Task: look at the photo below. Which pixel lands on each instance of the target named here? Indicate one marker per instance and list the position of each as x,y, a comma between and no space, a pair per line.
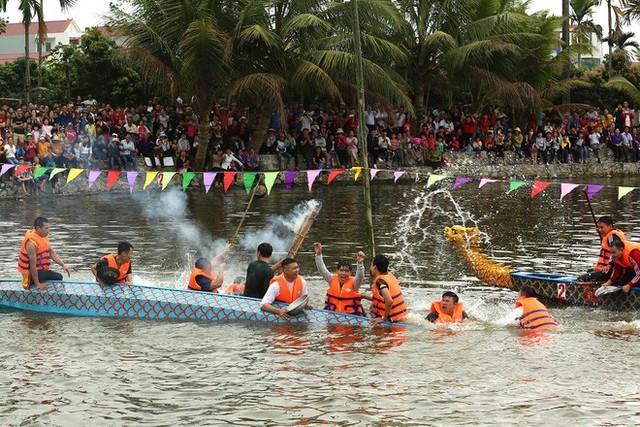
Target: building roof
53,27
10,57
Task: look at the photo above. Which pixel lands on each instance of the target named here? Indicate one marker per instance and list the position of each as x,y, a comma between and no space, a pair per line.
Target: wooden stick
253,193
302,232
593,215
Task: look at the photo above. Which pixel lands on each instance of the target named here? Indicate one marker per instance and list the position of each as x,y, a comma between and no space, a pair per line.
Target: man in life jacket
602,270
286,287
388,302
120,261
530,313
36,255
202,277
237,287
448,310
626,268
343,294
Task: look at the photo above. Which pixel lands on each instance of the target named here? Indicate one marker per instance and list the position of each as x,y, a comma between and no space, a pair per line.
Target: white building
591,59
12,40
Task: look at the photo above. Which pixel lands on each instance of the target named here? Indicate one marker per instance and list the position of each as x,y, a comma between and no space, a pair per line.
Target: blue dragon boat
148,302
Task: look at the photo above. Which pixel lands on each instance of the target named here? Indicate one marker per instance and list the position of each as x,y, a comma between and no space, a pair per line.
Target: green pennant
40,171
249,178
514,185
269,180
187,177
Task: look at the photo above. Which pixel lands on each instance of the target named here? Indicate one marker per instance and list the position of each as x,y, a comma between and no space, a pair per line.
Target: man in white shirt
285,288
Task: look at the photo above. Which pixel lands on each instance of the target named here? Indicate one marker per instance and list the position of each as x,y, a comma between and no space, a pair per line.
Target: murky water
60,370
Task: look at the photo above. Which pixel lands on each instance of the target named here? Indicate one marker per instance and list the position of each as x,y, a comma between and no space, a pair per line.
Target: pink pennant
93,175
397,175
460,181
484,181
6,167
333,174
208,178
566,189
289,177
131,179
373,173
311,177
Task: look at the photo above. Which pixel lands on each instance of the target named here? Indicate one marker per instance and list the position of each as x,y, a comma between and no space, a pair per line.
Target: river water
67,371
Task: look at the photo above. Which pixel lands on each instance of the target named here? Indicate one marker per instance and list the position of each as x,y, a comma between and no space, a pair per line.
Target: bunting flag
131,179
373,173
484,181
73,174
434,178
566,189
6,167
187,177
514,185
166,178
270,179
311,176
593,189
41,170
93,175
460,181
333,174
248,178
623,191
22,168
289,177
112,177
208,178
397,175
356,170
538,187
228,179
55,172
149,179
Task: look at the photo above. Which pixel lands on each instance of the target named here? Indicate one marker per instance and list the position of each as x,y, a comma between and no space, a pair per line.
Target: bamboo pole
302,232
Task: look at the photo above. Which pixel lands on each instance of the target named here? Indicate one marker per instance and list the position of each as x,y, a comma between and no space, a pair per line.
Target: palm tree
624,42
581,13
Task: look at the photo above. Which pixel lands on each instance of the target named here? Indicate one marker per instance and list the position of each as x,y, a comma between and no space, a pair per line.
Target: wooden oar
253,193
593,215
302,232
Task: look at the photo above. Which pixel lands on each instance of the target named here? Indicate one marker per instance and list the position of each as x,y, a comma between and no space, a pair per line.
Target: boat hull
92,299
564,288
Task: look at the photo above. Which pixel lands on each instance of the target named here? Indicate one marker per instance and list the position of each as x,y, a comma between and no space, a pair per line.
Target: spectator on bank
127,150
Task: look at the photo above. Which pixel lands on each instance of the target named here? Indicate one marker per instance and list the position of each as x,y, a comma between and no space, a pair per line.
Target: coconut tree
581,14
624,42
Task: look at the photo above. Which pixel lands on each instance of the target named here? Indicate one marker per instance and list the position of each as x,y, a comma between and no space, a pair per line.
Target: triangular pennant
73,174
538,187
93,175
131,179
593,189
112,177
373,173
40,170
484,181
208,178
248,178
166,178
269,180
333,174
149,179
356,170
311,176
187,177
514,185
6,167
397,175
21,168
460,181
228,180
289,177
623,191
566,189
55,172
434,178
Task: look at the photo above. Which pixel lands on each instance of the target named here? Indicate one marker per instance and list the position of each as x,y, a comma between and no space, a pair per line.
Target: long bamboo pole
362,130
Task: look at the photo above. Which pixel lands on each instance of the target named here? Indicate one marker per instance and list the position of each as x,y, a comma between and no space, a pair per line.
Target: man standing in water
388,302
343,294
286,287
448,310
530,313
36,255
260,273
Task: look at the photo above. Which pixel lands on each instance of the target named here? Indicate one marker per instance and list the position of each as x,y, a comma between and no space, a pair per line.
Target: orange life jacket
233,289
193,285
285,294
343,299
398,308
43,252
624,261
605,250
444,317
535,315
123,269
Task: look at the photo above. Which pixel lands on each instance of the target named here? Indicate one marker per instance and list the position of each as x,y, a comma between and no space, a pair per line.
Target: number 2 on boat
562,291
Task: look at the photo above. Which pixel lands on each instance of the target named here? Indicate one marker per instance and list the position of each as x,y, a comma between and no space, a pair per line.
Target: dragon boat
149,302
562,288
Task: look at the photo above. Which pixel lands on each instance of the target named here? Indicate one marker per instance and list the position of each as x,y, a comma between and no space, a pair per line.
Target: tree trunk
421,84
67,83
610,39
566,70
27,66
39,63
203,147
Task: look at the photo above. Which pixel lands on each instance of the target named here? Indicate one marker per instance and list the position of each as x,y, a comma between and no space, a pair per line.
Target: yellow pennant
149,179
357,170
73,174
623,191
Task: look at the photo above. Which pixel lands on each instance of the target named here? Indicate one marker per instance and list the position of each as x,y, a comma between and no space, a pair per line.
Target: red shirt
618,271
